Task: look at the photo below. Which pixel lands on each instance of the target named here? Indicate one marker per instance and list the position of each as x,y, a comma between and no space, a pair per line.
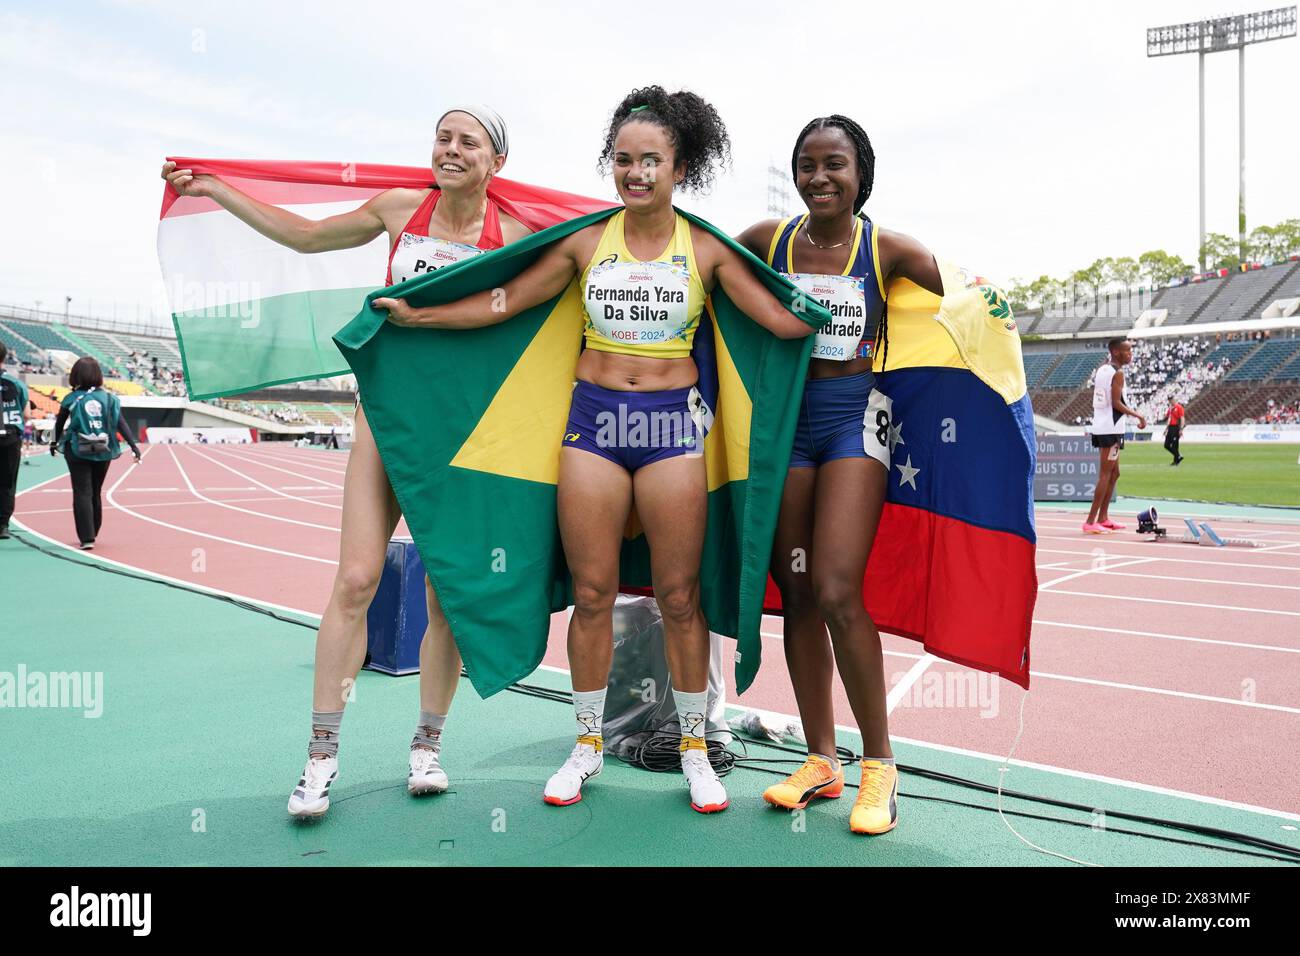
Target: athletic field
1238,473
1160,728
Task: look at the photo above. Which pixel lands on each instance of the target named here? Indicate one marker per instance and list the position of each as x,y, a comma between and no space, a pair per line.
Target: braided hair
698,135
866,157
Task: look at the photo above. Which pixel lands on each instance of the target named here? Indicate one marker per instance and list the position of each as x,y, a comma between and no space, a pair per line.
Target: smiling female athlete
427,229
835,488
644,275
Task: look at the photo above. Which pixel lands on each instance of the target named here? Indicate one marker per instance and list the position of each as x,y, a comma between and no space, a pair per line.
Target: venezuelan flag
952,565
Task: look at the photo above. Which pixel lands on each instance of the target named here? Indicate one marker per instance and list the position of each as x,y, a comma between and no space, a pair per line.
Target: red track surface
1163,664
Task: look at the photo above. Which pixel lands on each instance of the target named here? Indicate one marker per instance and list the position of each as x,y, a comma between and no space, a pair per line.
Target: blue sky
1017,138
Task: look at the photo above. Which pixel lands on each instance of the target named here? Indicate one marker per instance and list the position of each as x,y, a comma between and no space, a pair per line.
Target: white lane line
292,460
1181,580
248,511
1279,547
1095,570
900,690
1096,778
160,504
1147,600
1169,637
923,663
95,558
1110,541
1163,557
1259,530
274,491
1164,692
1000,759
297,474
1281,519
204,534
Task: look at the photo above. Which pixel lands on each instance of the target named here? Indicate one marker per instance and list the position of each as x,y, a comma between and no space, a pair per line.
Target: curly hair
861,145
698,135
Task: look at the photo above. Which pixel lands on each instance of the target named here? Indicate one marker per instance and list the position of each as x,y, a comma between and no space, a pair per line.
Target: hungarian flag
953,561
250,312
469,424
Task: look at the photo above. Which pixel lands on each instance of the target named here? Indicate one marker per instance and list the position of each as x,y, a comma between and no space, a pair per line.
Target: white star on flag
908,474
895,435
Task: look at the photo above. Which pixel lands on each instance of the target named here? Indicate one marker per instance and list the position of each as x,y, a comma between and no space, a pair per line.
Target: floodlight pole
1200,244
1241,150
1212,36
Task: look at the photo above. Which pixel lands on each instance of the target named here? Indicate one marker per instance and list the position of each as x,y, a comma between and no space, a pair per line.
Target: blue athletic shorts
844,417
635,429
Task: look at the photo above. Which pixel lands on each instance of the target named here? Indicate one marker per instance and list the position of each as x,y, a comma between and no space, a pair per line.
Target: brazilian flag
469,424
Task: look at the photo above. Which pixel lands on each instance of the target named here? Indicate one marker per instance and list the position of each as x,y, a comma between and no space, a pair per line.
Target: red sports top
416,252
1176,414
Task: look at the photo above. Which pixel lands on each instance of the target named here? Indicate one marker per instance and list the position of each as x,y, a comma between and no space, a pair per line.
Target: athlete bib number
876,425
13,417
846,299
417,255
638,302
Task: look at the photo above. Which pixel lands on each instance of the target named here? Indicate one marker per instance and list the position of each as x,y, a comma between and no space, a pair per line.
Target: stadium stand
1037,365
1290,371
1073,370
1260,364
1185,303
39,335
1245,296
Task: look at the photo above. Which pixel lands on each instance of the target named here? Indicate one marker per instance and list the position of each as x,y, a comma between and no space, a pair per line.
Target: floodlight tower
778,197
1212,36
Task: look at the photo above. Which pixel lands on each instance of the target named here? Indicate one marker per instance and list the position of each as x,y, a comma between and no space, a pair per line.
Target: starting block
1207,536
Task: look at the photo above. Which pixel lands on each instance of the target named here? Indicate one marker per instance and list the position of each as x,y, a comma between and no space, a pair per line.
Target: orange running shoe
816,778
876,809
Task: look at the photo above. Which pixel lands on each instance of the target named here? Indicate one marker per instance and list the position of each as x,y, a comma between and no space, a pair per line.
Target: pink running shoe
1112,525
1095,528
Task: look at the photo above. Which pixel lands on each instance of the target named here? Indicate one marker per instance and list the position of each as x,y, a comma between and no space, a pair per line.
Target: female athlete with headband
427,229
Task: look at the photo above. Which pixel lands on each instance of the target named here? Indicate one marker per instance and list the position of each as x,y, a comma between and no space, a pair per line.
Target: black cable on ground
659,752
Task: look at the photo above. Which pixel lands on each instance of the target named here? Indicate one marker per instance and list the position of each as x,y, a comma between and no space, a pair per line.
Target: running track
1165,665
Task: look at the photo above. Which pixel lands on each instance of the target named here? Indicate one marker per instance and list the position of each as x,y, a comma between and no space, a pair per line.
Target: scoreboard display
1066,469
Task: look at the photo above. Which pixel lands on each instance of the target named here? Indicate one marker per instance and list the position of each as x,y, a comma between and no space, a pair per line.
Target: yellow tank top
642,308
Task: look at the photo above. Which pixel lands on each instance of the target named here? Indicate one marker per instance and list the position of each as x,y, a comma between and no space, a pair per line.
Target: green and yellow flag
469,424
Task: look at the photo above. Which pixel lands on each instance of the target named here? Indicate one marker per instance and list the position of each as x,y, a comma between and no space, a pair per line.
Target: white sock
589,711
690,712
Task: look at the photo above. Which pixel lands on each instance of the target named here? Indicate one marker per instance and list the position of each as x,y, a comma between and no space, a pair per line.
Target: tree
1090,279
1161,268
1125,270
1220,251
1019,295
1046,291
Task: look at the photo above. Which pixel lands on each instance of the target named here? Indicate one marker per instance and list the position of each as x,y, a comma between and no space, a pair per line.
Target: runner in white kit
1108,427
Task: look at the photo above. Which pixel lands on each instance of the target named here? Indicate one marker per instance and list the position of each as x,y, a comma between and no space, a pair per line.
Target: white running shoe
427,775
311,798
565,785
707,793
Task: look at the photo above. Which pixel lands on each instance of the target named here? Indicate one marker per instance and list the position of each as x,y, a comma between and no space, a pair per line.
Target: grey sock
429,730
325,732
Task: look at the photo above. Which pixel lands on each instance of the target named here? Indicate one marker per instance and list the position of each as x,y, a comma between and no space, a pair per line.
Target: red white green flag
250,312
